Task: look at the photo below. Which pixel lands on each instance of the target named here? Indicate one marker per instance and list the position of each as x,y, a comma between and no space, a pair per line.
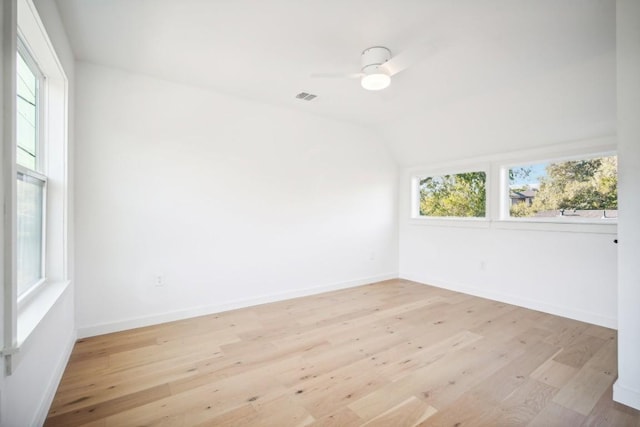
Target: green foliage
582,184
521,210
459,195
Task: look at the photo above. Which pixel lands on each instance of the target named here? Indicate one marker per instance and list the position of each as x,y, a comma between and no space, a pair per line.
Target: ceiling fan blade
407,58
336,76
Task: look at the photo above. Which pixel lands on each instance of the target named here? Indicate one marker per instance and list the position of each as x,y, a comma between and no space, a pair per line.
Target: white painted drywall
28,392
231,202
627,387
568,274
565,104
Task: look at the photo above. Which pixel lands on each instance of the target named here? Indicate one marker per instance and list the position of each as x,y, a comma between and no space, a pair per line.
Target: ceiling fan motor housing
373,57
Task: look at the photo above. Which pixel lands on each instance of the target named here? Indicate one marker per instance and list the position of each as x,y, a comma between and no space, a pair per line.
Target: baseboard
50,391
571,313
625,395
138,322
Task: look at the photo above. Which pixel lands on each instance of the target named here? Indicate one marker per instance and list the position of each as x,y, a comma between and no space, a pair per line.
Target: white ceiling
265,50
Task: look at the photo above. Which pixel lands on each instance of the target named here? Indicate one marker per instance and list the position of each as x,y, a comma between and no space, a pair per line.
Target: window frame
22,319
503,201
492,164
463,221
25,296
27,57
39,173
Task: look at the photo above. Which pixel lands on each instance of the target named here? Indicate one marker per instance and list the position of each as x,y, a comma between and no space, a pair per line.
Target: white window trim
557,226
504,188
22,319
451,221
496,184
40,102
418,174
27,295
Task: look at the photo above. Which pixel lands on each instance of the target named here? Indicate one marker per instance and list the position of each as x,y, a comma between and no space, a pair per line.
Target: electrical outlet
372,256
483,265
158,280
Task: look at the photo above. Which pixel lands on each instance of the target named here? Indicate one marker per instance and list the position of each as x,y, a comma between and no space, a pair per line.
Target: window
27,104
565,187
35,200
30,204
582,189
31,182
453,195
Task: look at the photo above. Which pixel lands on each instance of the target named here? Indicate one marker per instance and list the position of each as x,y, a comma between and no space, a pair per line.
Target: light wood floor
394,353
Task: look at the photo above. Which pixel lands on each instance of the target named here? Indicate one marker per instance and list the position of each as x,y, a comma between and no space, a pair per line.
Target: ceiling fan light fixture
375,81
375,76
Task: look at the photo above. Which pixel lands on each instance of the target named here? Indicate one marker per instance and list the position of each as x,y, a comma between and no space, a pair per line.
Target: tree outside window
455,195
578,188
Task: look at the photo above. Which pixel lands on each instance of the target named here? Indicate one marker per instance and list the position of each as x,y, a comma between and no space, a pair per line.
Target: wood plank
554,373
411,412
406,381
445,381
608,412
601,332
215,397
580,351
524,404
586,388
556,415
321,395
505,381
115,386
114,406
243,415
317,363
282,411
341,418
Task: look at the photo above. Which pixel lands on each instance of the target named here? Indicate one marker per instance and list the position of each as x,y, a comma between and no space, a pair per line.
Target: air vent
306,96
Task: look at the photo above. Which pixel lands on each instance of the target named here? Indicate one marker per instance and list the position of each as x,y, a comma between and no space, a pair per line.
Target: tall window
37,199
31,181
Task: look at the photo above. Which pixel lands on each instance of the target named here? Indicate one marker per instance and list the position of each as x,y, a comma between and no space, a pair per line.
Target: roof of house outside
526,194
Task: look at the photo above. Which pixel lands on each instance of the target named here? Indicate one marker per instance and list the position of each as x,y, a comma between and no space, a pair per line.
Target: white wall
27,393
230,201
627,387
565,270
566,104
564,273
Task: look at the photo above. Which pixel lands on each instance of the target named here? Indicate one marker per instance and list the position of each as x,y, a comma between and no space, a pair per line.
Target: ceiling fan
378,66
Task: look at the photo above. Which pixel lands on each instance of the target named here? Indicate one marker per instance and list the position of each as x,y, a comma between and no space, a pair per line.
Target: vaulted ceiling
546,63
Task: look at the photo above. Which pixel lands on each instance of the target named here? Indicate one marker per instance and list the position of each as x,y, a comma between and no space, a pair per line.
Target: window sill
452,222
598,227
30,314
552,225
